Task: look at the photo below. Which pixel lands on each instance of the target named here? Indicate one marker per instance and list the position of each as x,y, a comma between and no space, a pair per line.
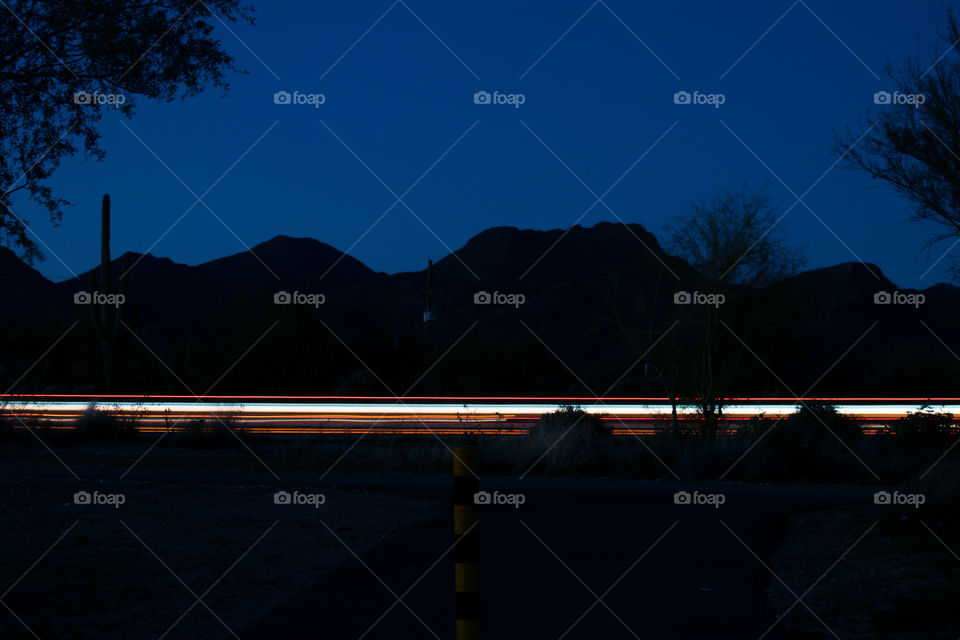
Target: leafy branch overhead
55,55
911,140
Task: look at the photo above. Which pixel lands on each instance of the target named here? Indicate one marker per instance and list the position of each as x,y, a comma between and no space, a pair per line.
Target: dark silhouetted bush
569,440
574,421
812,445
97,426
924,427
6,427
200,433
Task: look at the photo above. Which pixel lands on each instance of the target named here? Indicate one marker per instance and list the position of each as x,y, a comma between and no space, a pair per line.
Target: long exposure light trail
296,415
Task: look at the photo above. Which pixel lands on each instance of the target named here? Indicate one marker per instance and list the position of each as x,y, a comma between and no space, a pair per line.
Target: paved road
659,570
579,559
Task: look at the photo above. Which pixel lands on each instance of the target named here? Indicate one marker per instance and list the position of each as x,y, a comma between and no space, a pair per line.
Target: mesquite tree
911,138
735,243
64,63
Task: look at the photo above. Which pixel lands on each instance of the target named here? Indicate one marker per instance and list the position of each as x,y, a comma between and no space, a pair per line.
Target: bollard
467,546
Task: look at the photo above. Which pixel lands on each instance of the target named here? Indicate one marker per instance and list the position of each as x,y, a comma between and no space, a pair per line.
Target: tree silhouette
911,140
733,238
733,242
63,63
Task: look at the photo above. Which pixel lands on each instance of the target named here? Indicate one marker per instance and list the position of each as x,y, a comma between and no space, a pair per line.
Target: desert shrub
6,427
14,429
98,426
755,426
910,446
201,433
924,427
811,445
580,424
566,441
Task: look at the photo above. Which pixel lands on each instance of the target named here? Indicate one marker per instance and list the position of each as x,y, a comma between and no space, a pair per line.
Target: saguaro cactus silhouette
106,305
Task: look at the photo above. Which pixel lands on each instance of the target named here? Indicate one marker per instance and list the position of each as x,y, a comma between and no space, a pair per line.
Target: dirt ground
136,570
203,524
900,581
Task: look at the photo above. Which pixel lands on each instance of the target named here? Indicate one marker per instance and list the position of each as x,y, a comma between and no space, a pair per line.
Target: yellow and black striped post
467,547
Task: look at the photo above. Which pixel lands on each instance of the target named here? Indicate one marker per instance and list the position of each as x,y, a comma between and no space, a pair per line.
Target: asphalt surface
588,558
579,559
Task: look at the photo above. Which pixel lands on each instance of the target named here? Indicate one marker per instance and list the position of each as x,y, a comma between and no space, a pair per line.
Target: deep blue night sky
599,99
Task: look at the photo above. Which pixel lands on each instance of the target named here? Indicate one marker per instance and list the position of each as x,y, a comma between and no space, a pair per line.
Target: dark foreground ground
586,558
580,559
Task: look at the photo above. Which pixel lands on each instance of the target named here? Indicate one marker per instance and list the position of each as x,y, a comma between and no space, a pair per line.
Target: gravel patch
137,569
898,582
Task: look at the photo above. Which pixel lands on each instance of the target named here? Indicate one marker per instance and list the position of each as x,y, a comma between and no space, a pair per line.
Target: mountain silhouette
549,311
